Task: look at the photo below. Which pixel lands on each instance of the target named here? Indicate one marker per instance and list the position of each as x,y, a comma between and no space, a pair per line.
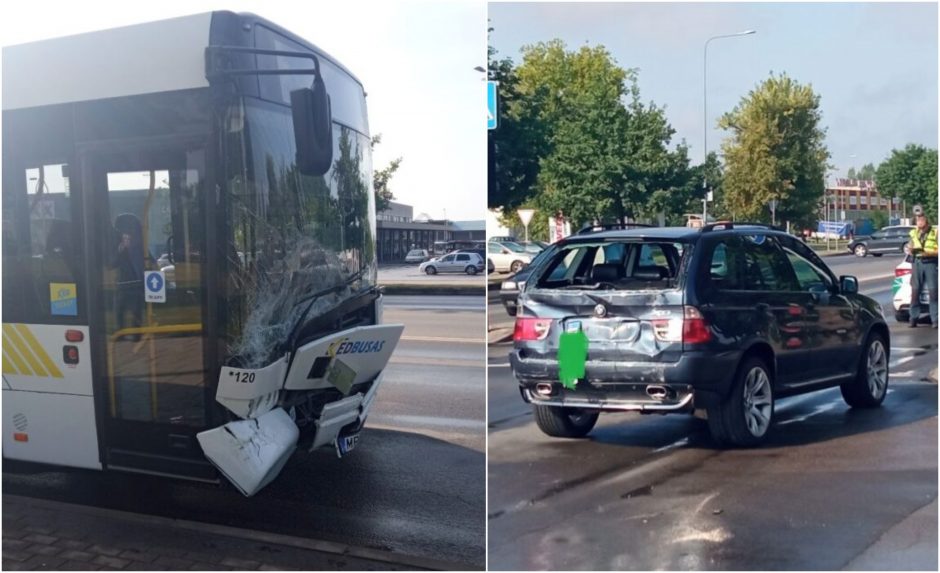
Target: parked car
470,263
724,319
417,256
887,240
901,289
507,256
534,247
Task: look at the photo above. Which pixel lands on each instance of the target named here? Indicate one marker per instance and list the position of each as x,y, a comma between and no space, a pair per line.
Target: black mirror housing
848,284
313,128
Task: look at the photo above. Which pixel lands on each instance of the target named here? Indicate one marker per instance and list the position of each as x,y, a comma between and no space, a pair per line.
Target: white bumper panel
250,393
250,453
334,417
52,428
343,359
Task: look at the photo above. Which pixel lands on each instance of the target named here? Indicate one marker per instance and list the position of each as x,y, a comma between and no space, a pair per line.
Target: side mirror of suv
848,284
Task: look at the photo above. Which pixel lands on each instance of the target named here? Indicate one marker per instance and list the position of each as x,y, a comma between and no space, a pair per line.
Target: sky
874,65
415,60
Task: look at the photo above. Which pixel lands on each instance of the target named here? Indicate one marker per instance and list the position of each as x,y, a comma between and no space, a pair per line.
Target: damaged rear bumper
625,398
643,386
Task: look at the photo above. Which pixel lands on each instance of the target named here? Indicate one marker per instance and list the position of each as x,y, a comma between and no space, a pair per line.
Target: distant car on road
725,319
509,289
887,240
469,263
507,256
901,288
417,256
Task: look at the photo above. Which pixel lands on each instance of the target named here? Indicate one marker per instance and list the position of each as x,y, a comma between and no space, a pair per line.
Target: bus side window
40,278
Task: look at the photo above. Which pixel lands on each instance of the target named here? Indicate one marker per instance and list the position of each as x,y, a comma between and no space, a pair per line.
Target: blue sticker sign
491,114
154,286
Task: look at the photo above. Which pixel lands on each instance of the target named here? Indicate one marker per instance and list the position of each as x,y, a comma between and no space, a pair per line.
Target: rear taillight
694,328
690,329
901,272
531,328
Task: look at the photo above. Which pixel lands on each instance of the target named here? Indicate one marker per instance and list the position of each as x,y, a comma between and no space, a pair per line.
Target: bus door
146,211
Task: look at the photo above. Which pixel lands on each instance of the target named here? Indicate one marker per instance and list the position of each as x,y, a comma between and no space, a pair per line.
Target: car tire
860,250
902,316
870,385
470,270
510,310
490,267
561,422
745,416
430,270
516,266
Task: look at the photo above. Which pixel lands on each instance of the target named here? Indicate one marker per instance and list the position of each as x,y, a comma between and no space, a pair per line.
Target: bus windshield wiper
312,298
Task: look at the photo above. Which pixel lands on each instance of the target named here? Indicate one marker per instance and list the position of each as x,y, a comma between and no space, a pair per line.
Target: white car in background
470,263
507,257
417,256
902,292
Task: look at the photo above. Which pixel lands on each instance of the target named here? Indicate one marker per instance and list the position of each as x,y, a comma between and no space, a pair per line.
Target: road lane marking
443,339
408,421
430,361
900,361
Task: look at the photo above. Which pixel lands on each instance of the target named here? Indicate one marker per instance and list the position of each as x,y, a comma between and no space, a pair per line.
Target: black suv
888,240
725,319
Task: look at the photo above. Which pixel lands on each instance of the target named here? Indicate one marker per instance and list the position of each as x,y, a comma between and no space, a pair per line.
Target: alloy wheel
758,401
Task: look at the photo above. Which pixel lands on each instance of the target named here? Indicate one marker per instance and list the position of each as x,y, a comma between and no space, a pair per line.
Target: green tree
911,174
518,141
775,152
381,177
866,173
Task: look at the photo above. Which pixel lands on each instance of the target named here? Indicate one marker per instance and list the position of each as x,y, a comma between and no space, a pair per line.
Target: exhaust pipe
543,389
657,392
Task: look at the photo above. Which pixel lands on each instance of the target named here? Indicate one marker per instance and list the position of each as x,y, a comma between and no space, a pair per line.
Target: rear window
621,265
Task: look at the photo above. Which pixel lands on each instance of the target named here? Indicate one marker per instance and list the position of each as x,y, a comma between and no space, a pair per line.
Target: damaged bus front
206,243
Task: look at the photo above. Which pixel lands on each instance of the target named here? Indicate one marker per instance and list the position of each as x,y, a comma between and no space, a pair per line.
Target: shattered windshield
295,241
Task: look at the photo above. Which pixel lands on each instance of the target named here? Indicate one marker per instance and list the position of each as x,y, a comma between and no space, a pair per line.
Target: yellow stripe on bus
39,350
8,367
8,346
23,349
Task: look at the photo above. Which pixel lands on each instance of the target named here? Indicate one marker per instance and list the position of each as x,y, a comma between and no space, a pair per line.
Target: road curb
432,290
330,547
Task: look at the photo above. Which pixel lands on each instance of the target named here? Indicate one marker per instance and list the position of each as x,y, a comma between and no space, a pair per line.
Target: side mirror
313,128
848,284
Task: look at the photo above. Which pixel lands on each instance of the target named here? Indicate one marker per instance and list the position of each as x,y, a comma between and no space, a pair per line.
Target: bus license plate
346,444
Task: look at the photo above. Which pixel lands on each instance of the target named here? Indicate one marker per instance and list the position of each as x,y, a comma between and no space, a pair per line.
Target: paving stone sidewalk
45,535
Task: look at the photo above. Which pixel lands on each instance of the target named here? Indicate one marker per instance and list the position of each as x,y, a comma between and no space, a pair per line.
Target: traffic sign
491,115
154,286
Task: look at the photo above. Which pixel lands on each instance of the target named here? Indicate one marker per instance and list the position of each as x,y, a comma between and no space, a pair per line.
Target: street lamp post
705,115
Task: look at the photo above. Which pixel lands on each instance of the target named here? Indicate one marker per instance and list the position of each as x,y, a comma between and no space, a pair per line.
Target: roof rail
728,225
609,227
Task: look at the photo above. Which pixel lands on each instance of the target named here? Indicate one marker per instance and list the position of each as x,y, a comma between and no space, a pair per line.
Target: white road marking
899,361
443,339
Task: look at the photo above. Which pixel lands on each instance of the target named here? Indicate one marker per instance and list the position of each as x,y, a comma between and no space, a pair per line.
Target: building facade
858,199
397,233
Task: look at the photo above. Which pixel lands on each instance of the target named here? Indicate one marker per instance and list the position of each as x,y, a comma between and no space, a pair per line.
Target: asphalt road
414,486
833,488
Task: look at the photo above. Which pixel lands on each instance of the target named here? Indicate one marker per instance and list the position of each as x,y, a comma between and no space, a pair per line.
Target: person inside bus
128,260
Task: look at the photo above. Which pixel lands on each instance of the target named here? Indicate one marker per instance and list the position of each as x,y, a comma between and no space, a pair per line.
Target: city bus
189,269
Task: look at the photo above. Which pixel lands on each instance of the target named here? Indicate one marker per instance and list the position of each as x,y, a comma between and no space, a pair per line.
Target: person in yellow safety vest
924,249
